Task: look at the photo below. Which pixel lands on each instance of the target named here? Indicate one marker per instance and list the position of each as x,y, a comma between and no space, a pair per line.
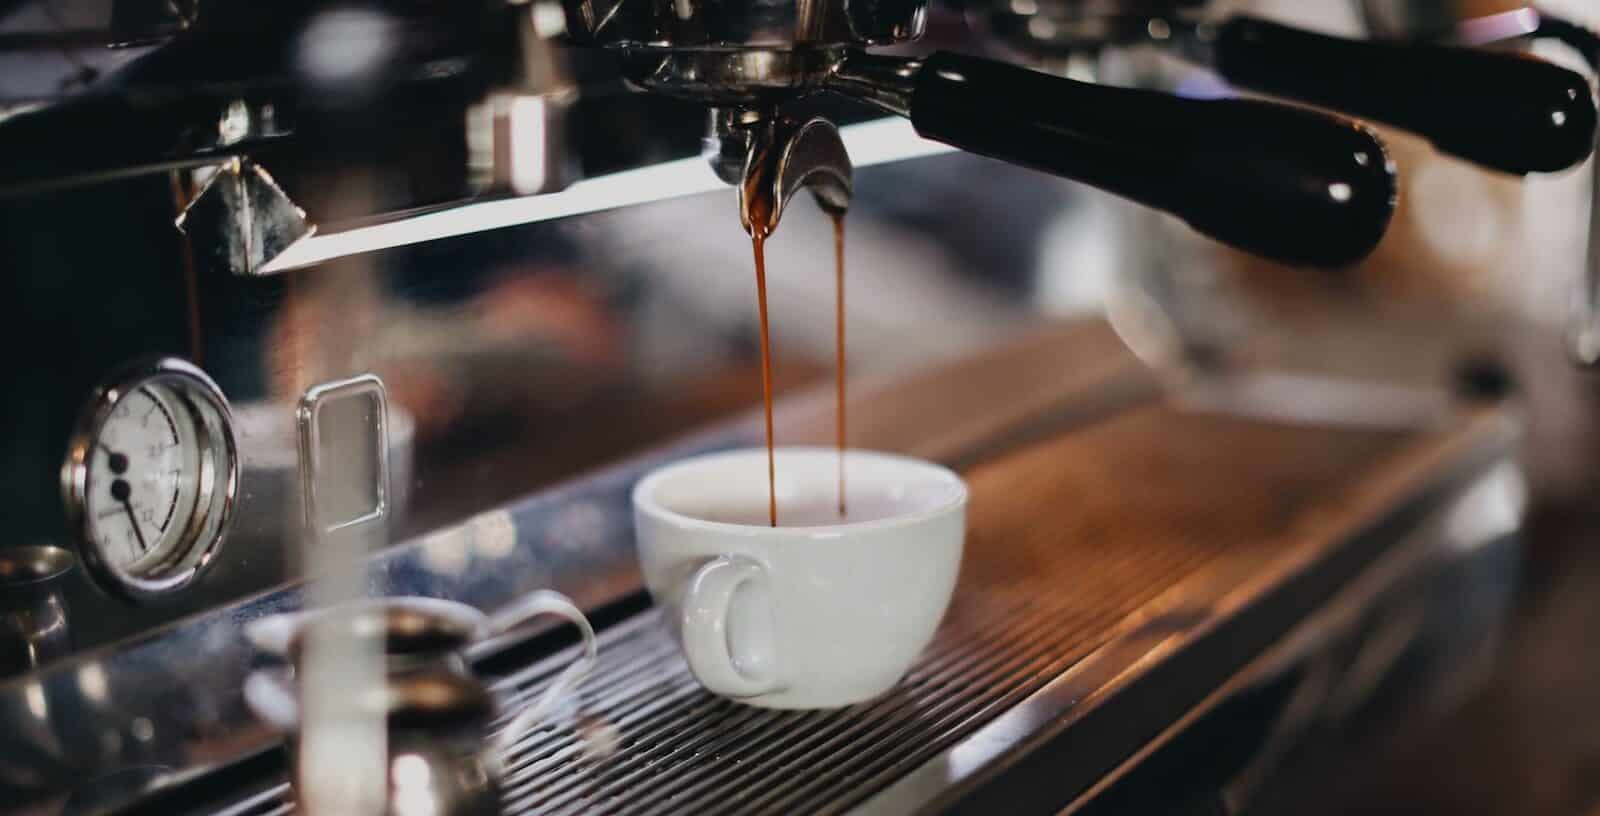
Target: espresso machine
401,299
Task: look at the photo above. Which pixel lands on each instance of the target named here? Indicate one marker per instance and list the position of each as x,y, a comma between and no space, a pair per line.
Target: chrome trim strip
308,416
877,142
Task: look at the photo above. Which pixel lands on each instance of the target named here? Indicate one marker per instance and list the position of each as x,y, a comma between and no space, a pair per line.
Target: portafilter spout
770,158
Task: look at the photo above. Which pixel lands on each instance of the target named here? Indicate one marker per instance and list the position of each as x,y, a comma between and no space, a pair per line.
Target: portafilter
1296,185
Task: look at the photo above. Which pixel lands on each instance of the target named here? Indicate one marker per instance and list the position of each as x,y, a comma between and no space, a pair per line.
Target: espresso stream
758,243
838,348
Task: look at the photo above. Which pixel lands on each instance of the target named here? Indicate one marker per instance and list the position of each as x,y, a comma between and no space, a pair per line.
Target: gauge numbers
143,469
150,478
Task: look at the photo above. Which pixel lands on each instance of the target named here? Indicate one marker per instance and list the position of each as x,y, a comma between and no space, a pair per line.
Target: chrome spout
770,158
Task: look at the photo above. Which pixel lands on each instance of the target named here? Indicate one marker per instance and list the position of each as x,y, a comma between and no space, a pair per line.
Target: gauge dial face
144,476
150,478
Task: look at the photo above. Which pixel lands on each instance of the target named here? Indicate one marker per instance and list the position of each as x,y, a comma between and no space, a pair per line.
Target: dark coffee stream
762,229
838,375
759,242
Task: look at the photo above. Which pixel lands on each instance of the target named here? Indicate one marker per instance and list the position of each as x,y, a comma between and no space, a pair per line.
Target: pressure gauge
150,478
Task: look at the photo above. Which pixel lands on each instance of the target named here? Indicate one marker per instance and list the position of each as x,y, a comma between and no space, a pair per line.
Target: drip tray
1074,543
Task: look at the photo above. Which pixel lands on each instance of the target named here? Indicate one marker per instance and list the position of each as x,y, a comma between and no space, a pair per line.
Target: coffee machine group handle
1286,183
1502,110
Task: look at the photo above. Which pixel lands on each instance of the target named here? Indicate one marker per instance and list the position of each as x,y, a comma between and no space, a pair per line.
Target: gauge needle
143,547
120,492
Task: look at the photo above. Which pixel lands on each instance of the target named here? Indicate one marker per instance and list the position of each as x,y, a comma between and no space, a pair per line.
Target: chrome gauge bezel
211,419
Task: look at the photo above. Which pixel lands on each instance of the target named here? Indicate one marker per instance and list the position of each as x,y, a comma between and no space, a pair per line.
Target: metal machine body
1090,675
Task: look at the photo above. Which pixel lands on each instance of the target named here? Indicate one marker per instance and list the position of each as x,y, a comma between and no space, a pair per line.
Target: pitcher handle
543,602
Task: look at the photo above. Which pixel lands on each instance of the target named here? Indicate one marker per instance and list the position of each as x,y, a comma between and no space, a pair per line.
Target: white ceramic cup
818,612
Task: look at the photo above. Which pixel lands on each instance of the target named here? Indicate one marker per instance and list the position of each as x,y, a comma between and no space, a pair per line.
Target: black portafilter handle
1290,184
1503,110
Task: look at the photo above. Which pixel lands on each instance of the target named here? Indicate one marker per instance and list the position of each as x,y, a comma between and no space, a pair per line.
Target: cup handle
543,602
705,628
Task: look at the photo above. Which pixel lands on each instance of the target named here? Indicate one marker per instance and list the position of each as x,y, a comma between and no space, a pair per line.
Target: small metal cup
33,612
434,712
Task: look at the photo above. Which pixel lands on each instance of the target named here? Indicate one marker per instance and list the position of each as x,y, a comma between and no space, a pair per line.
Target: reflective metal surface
866,144
509,365
1065,27
436,755
193,534
241,220
778,26
34,626
174,699
1017,667
1482,513
164,89
1408,18
433,744
718,76
488,366
780,157
343,433
1416,629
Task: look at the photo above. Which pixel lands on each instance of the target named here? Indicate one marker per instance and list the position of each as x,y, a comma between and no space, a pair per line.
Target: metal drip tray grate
1068,538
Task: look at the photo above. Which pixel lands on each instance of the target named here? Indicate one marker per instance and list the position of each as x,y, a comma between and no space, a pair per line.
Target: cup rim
643,498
